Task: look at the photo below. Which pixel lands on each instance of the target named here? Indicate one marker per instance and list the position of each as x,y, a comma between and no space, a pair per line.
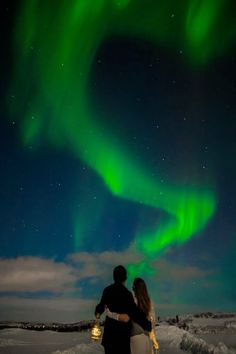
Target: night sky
118,144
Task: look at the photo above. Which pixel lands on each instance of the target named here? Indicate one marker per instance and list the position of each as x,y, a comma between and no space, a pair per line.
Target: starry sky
118,143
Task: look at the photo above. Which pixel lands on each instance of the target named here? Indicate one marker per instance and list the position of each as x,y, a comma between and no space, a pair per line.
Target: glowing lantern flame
96,331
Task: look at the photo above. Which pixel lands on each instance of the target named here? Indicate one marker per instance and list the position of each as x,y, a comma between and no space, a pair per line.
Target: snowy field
20,341
204,336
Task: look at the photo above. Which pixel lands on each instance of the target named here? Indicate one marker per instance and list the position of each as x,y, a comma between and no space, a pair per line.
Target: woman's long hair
142,296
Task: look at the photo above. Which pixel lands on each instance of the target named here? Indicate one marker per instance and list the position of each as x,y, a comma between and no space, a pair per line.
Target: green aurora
52,43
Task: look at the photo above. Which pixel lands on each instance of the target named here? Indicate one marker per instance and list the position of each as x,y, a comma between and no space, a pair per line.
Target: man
116,335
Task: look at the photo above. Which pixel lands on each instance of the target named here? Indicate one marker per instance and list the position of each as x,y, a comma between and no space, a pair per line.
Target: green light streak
135,270
201,27
121,3
55,48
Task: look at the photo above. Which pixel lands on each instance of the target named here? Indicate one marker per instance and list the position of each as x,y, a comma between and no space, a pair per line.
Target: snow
198,345
20,341
92,348
171,334
204,336
228,338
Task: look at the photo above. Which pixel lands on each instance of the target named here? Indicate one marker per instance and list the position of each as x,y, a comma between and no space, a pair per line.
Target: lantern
96,331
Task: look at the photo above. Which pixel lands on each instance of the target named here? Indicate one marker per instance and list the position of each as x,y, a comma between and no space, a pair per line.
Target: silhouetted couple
129,320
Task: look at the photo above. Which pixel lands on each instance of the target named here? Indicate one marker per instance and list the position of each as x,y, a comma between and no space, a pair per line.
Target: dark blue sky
180,120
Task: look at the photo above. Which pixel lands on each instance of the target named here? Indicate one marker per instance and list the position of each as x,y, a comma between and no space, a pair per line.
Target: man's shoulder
108,287
120,288
123,291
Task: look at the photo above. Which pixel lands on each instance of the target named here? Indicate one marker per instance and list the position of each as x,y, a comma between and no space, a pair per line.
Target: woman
141,342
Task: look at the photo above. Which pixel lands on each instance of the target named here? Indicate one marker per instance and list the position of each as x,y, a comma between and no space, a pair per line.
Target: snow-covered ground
204,336
207,333
20,341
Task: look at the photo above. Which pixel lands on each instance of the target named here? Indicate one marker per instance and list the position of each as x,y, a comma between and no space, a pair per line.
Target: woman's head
142,296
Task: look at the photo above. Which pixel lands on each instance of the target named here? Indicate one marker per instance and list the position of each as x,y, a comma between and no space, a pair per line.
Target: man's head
119,274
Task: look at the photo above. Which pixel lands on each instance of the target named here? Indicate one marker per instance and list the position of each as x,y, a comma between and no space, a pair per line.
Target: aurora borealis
71,121
117,99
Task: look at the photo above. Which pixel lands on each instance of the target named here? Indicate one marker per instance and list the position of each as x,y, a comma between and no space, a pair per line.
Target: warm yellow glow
96,331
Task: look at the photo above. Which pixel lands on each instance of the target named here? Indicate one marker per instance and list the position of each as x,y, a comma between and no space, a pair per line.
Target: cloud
35,274
100,265
165,269
174,287
172,309
39,276
58,309
181,287
111,258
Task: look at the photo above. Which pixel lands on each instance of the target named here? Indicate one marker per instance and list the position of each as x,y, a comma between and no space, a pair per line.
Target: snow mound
91,348
230,324
196,345
171,334
181,339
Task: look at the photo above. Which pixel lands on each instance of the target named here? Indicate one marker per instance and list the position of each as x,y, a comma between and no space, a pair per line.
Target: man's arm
123,317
